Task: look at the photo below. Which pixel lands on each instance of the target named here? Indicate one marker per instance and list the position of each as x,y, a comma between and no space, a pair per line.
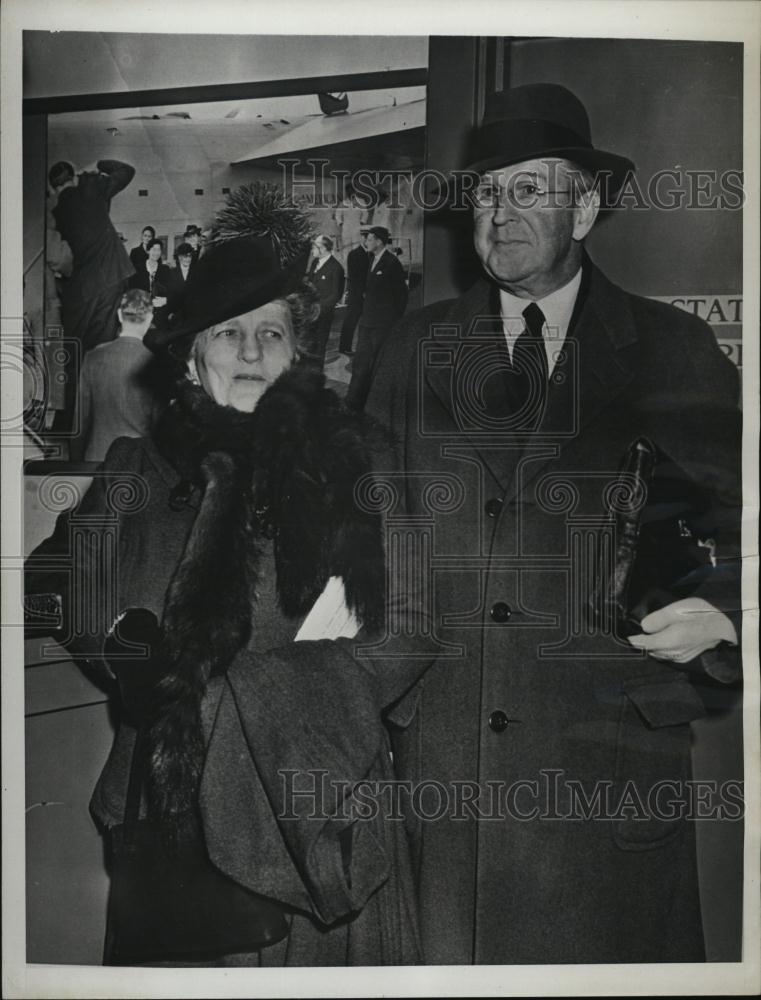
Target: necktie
526,379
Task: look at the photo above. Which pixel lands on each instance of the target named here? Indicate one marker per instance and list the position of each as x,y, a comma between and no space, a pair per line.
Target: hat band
526,139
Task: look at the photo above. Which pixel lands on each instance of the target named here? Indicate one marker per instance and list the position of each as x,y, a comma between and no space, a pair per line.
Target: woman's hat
258,252
541,119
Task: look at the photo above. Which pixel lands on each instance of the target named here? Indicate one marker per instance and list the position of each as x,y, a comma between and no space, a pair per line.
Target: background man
537,382
357,266
101,266
384,303
120,386
327,276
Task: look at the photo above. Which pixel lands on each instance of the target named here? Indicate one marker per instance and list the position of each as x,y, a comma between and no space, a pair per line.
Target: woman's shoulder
299,411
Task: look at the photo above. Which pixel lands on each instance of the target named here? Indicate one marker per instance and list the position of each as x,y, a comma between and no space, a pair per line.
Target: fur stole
287,472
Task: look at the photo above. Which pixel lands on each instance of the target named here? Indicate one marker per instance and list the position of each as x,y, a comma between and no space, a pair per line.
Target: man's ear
119,316
192,373
585,213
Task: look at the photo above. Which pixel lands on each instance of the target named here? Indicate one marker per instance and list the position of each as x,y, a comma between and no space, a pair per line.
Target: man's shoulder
652,319
397,263
416,325
90,182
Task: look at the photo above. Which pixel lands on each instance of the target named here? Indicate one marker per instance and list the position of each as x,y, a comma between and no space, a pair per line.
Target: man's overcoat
530,713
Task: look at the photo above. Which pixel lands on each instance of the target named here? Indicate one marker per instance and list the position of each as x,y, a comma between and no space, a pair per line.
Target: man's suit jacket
82,219
329,282
175,285
385,293
157,287
357,266
523,701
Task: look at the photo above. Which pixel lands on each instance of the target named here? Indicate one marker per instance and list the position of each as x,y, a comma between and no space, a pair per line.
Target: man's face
527,231
373,244
193,239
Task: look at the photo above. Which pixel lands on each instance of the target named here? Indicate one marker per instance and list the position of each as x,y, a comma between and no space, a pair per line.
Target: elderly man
550,745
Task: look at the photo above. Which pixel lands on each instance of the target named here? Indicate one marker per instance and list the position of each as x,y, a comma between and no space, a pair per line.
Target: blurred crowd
105,297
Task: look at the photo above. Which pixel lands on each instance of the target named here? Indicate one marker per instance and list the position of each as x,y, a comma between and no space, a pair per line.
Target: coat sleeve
692,409
118,176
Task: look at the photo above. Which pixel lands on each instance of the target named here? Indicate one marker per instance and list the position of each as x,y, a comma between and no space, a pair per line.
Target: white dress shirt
557,308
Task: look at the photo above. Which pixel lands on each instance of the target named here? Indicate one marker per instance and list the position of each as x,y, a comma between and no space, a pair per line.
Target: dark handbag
167,900
664,540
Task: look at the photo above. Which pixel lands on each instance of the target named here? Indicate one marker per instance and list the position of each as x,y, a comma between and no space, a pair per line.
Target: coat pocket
653,762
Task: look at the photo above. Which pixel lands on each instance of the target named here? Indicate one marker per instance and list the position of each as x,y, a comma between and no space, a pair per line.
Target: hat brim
235,302
615,168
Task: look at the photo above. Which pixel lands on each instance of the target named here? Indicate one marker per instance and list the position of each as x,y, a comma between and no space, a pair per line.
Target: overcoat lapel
602,340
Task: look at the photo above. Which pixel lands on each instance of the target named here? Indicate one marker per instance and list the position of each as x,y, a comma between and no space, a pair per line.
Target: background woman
139,254
155,278
247,510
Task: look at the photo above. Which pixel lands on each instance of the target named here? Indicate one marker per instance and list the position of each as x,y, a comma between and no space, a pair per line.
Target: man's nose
249,348
504,209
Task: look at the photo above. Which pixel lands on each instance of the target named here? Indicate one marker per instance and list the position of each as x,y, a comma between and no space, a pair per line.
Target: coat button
498,721
493,507
500,612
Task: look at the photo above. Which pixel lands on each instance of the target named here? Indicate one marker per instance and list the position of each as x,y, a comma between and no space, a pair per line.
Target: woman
139,254
155,278
242,509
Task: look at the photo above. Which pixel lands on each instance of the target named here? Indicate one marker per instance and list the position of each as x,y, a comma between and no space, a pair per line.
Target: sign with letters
723,312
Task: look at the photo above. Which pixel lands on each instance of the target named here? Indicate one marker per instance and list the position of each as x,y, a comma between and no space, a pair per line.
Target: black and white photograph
380,499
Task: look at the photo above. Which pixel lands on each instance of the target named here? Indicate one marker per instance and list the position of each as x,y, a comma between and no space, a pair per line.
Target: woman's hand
683,630
159,301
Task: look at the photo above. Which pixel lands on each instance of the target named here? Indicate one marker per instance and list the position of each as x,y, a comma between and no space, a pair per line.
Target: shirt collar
557,308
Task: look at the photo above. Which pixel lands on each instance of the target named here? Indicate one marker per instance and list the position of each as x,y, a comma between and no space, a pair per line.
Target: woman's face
238,360
147,236
154,252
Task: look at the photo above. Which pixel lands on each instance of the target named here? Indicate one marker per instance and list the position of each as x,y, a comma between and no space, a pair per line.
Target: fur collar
287,472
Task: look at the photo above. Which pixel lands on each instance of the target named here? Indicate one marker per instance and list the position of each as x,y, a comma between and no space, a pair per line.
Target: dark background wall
665,105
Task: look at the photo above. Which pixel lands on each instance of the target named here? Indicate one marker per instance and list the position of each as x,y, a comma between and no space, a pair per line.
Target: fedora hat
258,252
542,120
